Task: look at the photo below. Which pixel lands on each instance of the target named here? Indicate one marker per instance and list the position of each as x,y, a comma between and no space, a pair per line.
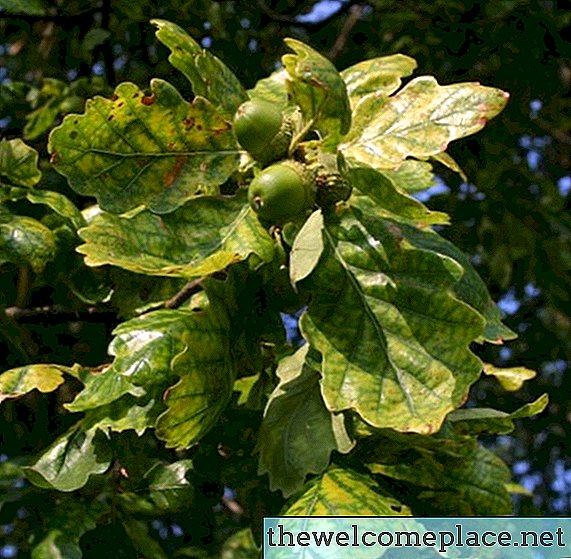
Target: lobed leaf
419,121
207,374
510,378
22,380
209,76
319,90
298,433
474,484
71,459
405,361
388,198
380,76
155,150
200,238
272,89
343,492
18,163
470,289
25,241
169,486
477,421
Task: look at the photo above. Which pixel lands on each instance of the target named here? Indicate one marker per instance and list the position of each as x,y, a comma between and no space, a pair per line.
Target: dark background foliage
511,217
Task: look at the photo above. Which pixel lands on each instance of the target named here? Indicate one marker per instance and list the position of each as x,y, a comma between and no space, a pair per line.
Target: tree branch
355,13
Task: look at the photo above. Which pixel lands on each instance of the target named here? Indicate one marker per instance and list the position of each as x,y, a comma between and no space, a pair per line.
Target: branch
57,18
355,14
191,288
58,314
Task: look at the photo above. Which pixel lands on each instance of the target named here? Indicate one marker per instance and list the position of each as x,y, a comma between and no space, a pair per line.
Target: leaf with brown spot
124,152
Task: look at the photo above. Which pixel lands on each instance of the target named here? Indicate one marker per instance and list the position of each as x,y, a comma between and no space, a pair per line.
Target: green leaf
389,199
169,486
470,289
419,121
380,76
150,353
448,161
319,90
307,248
240,545
200,238
511,378
155,150
25,241
17,382
471,485
272,89
18,163
477,421
31,7
298,433
411,176
59,203
342,492
143,542
67,464
210,78
101,388
405,362
67,522
207,375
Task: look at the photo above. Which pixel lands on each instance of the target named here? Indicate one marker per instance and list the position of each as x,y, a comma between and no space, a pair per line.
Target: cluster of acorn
284,190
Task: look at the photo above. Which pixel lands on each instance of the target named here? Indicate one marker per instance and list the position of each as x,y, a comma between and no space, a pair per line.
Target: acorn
263,130
282,192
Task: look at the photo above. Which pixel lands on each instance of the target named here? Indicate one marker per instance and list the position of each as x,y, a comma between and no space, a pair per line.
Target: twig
57,314
191,288
355,14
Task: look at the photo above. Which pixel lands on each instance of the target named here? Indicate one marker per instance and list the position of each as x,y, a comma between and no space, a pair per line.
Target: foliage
391,308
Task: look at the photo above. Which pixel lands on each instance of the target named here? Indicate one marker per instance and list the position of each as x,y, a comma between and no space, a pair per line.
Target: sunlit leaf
405,361
471,289
272,89
207,375
319,90
59,203
18,163
20,381
298,433
72,458
477,421
411,175
135,149
342,492
380,76
307,248
202,237
511,378
25,241
419,121
210,77
386,195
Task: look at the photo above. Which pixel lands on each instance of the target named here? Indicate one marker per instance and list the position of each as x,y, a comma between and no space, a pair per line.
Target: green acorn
282,191
263,130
